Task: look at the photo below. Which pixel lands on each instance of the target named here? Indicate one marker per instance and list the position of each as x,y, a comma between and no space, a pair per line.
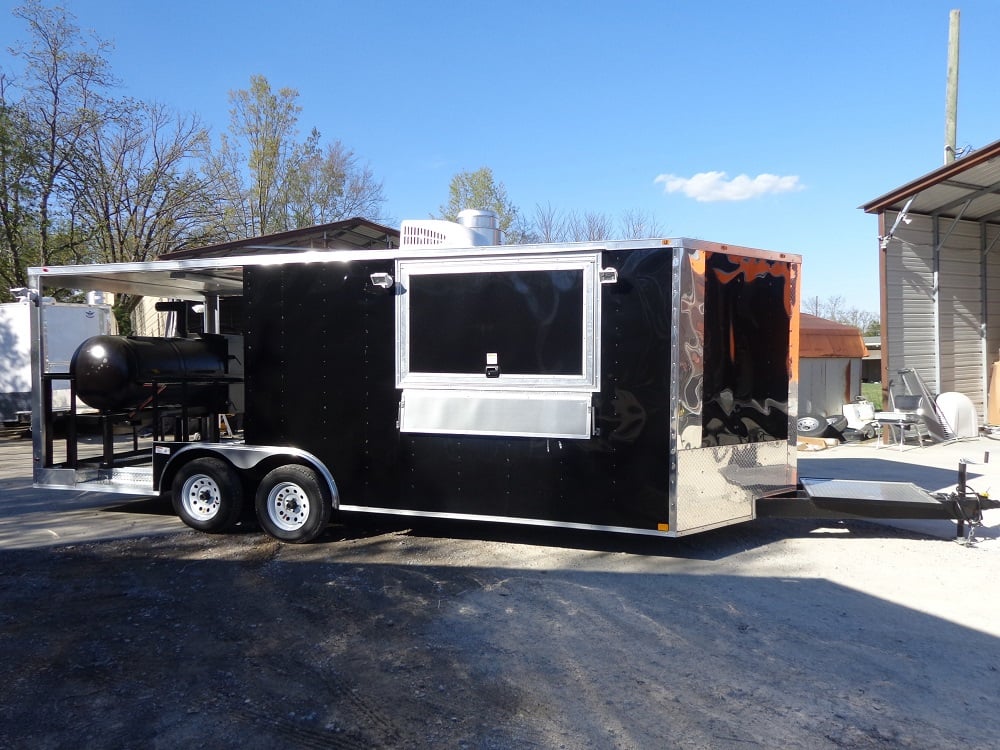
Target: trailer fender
248,460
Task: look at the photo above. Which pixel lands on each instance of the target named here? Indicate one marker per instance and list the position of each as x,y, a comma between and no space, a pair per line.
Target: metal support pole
210,316
108,438
72,456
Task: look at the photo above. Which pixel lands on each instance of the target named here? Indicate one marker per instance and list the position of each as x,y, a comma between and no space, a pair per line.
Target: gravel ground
121,628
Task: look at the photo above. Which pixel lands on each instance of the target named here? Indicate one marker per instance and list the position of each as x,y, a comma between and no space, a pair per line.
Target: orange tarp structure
819,337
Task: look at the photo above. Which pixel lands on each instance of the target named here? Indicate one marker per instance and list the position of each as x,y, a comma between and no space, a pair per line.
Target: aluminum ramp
853,498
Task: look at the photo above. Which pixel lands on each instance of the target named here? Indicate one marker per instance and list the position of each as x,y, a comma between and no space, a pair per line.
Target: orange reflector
663,527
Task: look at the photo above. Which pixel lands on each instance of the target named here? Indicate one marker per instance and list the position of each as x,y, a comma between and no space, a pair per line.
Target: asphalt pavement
31,517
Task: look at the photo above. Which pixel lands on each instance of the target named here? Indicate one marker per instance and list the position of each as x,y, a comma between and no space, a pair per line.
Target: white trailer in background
66,326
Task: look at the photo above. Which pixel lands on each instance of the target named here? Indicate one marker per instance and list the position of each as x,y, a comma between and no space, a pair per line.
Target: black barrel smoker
143,380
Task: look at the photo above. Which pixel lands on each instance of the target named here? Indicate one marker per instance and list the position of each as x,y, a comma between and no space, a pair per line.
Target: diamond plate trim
719,485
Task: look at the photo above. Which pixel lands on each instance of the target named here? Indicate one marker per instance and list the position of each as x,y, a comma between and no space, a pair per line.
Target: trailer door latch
492,365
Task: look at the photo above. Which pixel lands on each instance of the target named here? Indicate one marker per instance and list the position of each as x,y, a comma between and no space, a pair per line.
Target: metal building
939,265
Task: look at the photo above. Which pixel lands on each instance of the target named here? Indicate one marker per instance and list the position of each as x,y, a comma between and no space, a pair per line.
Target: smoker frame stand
108,418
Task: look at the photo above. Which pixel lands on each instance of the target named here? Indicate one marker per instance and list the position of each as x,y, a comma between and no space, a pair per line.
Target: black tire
293,504
811,425
207,495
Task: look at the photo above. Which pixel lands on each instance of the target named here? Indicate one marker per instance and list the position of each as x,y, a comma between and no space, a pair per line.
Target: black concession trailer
643,386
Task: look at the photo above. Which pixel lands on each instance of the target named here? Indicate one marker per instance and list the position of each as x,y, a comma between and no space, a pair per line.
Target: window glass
525,321
531,320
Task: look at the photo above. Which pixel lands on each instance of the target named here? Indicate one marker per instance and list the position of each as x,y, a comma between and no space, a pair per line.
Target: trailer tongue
848,498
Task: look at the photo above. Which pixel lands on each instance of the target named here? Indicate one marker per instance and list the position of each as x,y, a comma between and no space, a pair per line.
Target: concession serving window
505,345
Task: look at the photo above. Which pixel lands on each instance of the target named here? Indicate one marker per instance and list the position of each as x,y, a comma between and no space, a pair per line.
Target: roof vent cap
474,228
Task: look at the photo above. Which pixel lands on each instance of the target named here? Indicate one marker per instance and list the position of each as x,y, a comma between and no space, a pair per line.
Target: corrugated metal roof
349,234
968,187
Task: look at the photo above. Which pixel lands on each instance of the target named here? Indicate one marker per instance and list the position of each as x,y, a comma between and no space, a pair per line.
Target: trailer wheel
293,505
811,425
207,494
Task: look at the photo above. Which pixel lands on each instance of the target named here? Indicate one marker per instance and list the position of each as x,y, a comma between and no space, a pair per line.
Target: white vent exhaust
474,228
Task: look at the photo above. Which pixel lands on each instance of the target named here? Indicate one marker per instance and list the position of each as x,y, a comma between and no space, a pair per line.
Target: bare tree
600,226
592,226
549,225
833,309
224,169
330,184
63,80
137,187
636,225
865,321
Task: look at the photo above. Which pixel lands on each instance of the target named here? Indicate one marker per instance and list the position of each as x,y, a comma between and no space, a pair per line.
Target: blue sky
764,124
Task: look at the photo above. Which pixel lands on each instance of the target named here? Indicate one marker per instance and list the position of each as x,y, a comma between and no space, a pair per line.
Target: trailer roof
968,188
193,278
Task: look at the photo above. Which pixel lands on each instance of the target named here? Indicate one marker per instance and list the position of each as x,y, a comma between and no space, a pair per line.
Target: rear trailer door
736,383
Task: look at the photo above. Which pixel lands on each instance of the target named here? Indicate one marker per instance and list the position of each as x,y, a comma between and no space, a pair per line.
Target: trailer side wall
320,342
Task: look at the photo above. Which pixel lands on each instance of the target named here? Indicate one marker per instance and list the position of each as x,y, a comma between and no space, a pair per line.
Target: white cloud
707,187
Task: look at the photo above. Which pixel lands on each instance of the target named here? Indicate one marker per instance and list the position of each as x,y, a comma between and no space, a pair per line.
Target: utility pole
951,90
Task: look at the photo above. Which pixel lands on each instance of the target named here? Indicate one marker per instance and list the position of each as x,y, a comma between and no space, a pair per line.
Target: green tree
252,163
268,182
18,196
480,190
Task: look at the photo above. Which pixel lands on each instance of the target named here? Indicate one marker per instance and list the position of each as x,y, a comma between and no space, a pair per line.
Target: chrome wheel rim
808,424
288,506
201,497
